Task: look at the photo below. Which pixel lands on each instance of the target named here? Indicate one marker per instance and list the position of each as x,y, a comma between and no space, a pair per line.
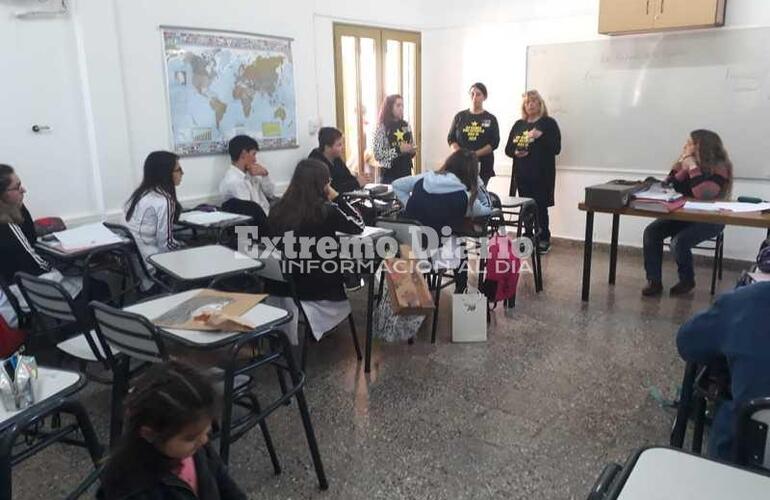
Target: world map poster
223,84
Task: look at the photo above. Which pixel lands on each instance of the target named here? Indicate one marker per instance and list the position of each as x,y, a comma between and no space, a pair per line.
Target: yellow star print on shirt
399,134
473,130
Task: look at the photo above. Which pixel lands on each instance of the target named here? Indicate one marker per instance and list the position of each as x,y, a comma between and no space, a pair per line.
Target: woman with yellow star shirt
533,143
476,129
393,141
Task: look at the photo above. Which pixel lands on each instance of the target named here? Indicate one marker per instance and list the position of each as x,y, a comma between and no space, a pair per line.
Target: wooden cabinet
635,16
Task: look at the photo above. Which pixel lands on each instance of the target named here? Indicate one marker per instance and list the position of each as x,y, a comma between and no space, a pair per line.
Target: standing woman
153,208
476,129
393,141
533,143
703,172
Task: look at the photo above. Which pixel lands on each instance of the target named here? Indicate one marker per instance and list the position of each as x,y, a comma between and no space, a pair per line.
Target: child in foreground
164,452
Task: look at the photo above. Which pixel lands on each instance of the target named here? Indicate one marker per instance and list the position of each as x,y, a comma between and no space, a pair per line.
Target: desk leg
120,377
587,249
369,321
614,247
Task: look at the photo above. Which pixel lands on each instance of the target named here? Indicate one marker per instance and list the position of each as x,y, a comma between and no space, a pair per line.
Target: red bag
10,339
502,270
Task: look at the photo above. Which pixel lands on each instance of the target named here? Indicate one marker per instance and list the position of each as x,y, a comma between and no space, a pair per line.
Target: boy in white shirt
246,179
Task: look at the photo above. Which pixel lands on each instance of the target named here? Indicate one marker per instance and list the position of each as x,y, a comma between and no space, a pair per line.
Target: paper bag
469,317
409,292
195,312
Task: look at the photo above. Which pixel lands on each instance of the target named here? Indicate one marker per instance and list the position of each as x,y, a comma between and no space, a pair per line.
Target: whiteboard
629,103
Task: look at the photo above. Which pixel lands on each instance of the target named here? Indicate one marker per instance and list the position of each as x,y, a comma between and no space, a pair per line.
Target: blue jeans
684,236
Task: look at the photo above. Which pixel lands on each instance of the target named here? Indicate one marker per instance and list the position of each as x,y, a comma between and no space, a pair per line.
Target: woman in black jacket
164,453
533,143
18,253
312,208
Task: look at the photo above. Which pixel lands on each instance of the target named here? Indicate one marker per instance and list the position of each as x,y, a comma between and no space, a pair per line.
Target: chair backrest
131,334
752,442
401,228
140,269
21,315
47,298
273,269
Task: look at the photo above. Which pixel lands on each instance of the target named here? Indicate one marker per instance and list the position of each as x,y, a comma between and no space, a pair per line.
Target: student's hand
331,194
258,170
521,153
406,148
535,134
364,179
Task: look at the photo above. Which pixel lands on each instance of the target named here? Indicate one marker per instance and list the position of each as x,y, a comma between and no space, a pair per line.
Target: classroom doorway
369,64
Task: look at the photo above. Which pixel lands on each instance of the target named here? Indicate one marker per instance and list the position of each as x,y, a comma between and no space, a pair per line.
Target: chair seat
78,347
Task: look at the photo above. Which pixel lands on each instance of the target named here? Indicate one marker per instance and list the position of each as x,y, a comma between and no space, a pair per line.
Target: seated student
311,207
153,208
703,172
17,248
446,197
735,328
331,145
165,450
246,180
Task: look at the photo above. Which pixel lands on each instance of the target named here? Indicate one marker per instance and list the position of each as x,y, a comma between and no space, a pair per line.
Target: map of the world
224,84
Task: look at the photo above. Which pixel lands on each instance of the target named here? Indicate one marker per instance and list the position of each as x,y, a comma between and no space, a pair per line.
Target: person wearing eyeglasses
153,208
17,250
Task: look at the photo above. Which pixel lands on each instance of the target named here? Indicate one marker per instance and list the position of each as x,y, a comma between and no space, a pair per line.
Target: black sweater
315,284
342,180
214,483
17,249
535,174
474,132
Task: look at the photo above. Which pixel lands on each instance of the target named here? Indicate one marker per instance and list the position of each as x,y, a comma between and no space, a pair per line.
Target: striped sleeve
344,218
29,260
165,229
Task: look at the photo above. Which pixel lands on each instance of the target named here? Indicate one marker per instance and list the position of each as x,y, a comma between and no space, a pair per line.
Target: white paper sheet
86,236
369,231
208,218
726,206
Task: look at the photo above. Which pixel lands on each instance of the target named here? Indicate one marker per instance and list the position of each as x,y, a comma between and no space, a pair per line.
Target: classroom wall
97,77
490,46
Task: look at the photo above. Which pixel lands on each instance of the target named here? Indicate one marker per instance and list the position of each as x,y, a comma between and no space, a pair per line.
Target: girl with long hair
703,172
444,198
153,208
393,141
312,208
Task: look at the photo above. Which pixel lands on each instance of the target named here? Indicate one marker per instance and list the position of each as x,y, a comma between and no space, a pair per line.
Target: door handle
647,9
662,3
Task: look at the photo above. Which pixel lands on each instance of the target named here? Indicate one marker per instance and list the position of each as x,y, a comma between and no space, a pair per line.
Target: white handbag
469,316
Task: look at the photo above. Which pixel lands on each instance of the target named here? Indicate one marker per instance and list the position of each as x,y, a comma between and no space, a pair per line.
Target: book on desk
657,198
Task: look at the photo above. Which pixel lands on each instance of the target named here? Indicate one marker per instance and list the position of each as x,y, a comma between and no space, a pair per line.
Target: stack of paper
86,236
726,206
201,218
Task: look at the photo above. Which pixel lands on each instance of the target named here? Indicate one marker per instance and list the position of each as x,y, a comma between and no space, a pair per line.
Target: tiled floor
559,389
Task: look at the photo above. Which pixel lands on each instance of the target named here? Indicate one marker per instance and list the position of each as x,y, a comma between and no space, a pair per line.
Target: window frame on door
380,36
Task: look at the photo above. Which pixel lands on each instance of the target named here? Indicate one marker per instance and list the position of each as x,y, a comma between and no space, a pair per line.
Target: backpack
502,270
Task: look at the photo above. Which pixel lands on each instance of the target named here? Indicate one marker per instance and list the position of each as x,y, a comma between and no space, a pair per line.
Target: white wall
97,77
491,47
